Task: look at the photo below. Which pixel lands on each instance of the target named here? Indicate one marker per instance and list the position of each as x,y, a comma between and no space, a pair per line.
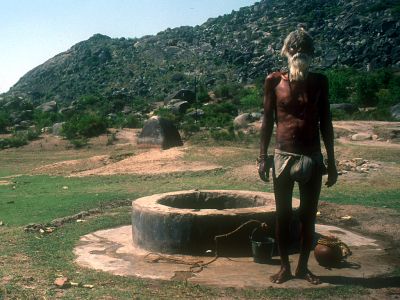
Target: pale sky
33,31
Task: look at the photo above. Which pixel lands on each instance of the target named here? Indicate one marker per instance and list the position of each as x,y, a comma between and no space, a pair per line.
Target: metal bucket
262,246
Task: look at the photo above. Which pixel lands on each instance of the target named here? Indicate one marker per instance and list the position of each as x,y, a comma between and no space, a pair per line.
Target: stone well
186,222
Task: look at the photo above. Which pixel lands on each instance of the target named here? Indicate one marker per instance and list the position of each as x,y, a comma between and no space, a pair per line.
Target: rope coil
198,266
334,242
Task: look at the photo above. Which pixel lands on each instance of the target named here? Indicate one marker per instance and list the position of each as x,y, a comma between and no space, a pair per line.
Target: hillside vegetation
117,82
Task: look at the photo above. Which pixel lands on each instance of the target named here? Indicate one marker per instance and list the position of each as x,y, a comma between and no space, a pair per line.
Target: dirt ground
156,161
124,157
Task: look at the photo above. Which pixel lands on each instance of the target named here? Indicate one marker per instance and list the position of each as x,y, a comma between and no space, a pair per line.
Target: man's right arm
267,123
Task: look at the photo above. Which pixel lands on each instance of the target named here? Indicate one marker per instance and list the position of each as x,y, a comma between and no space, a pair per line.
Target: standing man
299,101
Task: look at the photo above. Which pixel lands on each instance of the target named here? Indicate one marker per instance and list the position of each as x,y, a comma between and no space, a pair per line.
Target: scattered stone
46,130
39,228
1,223
62,282
358,165
361,137
65,187
195,113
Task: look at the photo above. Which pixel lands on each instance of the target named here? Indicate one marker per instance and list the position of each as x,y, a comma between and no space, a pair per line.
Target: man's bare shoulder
274,76
273,79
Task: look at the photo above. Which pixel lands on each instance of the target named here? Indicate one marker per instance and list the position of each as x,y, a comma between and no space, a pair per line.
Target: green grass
40,199
370,197
51,255
34,259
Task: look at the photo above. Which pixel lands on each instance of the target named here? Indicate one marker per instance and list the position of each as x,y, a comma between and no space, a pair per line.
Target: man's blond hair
298,39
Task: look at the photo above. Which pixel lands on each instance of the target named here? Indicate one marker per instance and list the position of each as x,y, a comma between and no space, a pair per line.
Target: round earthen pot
328,256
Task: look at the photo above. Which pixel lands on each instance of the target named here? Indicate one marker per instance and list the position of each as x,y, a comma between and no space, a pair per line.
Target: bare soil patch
153,161
74,165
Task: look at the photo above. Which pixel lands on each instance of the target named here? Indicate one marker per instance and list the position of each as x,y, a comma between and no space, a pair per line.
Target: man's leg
309,195
283,189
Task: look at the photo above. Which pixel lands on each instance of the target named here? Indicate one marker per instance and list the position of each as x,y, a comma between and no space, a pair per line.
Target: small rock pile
358,165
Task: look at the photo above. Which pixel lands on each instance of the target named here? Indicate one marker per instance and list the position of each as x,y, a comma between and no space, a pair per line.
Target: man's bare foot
282,276
307,275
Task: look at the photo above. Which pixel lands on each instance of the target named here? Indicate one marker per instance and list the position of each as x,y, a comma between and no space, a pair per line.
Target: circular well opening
209,200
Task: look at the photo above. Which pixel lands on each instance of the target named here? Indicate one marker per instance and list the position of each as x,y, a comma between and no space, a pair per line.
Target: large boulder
178,106
361,137
57,128
348,108
50,106
185,95
242,120
160,131
395,111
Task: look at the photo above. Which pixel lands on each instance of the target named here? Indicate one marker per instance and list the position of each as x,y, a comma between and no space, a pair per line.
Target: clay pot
328,256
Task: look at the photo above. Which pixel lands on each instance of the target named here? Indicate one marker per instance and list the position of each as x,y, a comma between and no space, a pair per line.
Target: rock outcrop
160,131
241,46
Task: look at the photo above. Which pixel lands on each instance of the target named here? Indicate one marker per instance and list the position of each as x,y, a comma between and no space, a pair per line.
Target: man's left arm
326,128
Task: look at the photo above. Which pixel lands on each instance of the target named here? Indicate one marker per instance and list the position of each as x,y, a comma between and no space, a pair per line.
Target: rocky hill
238,47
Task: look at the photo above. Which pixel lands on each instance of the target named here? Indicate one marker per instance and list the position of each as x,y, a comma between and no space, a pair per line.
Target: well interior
210,200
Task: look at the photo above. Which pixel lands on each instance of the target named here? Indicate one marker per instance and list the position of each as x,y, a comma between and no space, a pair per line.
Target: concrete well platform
113,251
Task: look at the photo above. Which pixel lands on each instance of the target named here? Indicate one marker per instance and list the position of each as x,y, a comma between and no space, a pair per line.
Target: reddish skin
302,112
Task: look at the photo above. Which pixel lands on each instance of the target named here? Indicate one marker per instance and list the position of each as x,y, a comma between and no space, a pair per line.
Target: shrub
111,138
166,114
202,94
375,88
339,115
132,122
79,142
84,126
17,140
4,122
223,134
189,126
32,134
251,100
227,90
218,115
45,119
340,85
141,104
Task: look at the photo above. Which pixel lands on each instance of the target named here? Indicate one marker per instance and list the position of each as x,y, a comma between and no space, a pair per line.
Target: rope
334,242
198,266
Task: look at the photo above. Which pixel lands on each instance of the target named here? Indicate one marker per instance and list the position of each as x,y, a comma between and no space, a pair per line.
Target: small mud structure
187,222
